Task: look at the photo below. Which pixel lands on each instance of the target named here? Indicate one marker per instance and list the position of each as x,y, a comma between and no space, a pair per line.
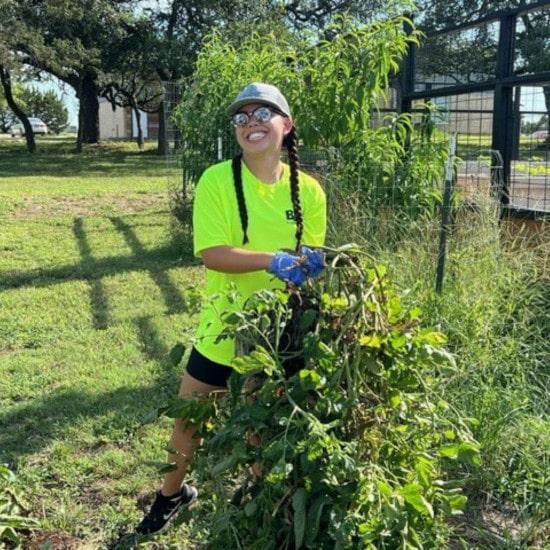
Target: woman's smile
256,135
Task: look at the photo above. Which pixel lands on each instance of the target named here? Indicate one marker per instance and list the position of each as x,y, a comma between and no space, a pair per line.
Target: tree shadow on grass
29,427
92,270
155,261
171,293
60,157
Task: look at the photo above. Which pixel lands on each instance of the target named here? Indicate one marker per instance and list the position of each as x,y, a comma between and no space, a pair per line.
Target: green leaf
448,451
227,463
372,365
398,340
233,318
310,380
415,313
435,338
257,361
314,515
469,453
395,398
308,318
280,471
250,508
163,467
413,495
370,341
299,504
154,415
236,384
384,489
457,503
463,452
192,409
259,412
176,354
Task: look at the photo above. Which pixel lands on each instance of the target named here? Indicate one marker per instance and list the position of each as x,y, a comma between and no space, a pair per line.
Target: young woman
245,211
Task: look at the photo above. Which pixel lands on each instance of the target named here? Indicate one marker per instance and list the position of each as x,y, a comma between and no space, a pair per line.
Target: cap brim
234,107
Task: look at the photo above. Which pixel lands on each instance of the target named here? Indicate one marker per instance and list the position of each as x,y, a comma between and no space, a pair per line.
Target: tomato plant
337,381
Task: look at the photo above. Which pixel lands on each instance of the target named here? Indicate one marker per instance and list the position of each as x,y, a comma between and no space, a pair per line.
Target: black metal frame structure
505,126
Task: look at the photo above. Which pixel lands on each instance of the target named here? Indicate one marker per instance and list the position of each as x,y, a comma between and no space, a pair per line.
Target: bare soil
91,206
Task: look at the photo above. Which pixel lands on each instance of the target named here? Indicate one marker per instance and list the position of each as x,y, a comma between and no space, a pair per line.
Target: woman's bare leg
182,439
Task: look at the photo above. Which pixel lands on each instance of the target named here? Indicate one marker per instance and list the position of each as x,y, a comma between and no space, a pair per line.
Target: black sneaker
164,508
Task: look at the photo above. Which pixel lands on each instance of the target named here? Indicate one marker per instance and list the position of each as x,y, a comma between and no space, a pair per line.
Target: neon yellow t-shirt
271,226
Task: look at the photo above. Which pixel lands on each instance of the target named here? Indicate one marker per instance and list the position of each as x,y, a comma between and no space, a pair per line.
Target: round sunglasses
261,114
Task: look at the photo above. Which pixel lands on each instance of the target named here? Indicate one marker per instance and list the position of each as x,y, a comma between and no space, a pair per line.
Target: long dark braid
290,141
238,181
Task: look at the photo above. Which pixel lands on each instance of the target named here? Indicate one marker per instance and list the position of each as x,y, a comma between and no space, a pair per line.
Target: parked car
540,134
38,128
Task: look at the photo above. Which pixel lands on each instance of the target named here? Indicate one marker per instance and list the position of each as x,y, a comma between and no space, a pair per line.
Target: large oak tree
69,39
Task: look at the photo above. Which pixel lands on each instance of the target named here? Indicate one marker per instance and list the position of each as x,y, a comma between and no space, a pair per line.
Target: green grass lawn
94,295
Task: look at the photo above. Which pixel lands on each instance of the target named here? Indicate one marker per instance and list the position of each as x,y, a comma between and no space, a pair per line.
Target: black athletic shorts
209,372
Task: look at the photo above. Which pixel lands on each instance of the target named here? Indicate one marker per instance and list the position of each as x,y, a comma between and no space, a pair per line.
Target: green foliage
44,105
340,384
523,464
11,508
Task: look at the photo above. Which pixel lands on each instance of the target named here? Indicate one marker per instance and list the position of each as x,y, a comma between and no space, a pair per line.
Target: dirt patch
54,540
495,529
78,206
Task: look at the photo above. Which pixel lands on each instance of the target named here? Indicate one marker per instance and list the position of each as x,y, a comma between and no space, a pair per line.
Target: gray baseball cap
257,92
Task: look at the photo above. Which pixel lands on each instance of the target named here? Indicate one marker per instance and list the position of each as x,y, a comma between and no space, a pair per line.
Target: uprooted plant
338,382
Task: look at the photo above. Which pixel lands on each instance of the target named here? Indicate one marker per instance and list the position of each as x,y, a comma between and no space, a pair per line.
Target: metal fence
490,80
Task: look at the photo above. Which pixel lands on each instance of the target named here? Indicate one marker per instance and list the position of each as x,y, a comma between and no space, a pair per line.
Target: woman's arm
229,259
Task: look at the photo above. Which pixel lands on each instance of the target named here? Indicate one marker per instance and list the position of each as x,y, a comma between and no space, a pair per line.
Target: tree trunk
88,114
162,148
137,114
5,78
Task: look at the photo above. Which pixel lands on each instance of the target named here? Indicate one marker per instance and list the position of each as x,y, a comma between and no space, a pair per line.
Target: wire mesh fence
490,80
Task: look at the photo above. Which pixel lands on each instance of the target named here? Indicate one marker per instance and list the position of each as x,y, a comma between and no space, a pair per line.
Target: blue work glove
315,261
288,267
297,268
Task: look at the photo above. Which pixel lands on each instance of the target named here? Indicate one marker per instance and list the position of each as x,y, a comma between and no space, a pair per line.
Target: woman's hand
315,261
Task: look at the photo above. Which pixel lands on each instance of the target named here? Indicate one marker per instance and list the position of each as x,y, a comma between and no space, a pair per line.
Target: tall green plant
336,87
